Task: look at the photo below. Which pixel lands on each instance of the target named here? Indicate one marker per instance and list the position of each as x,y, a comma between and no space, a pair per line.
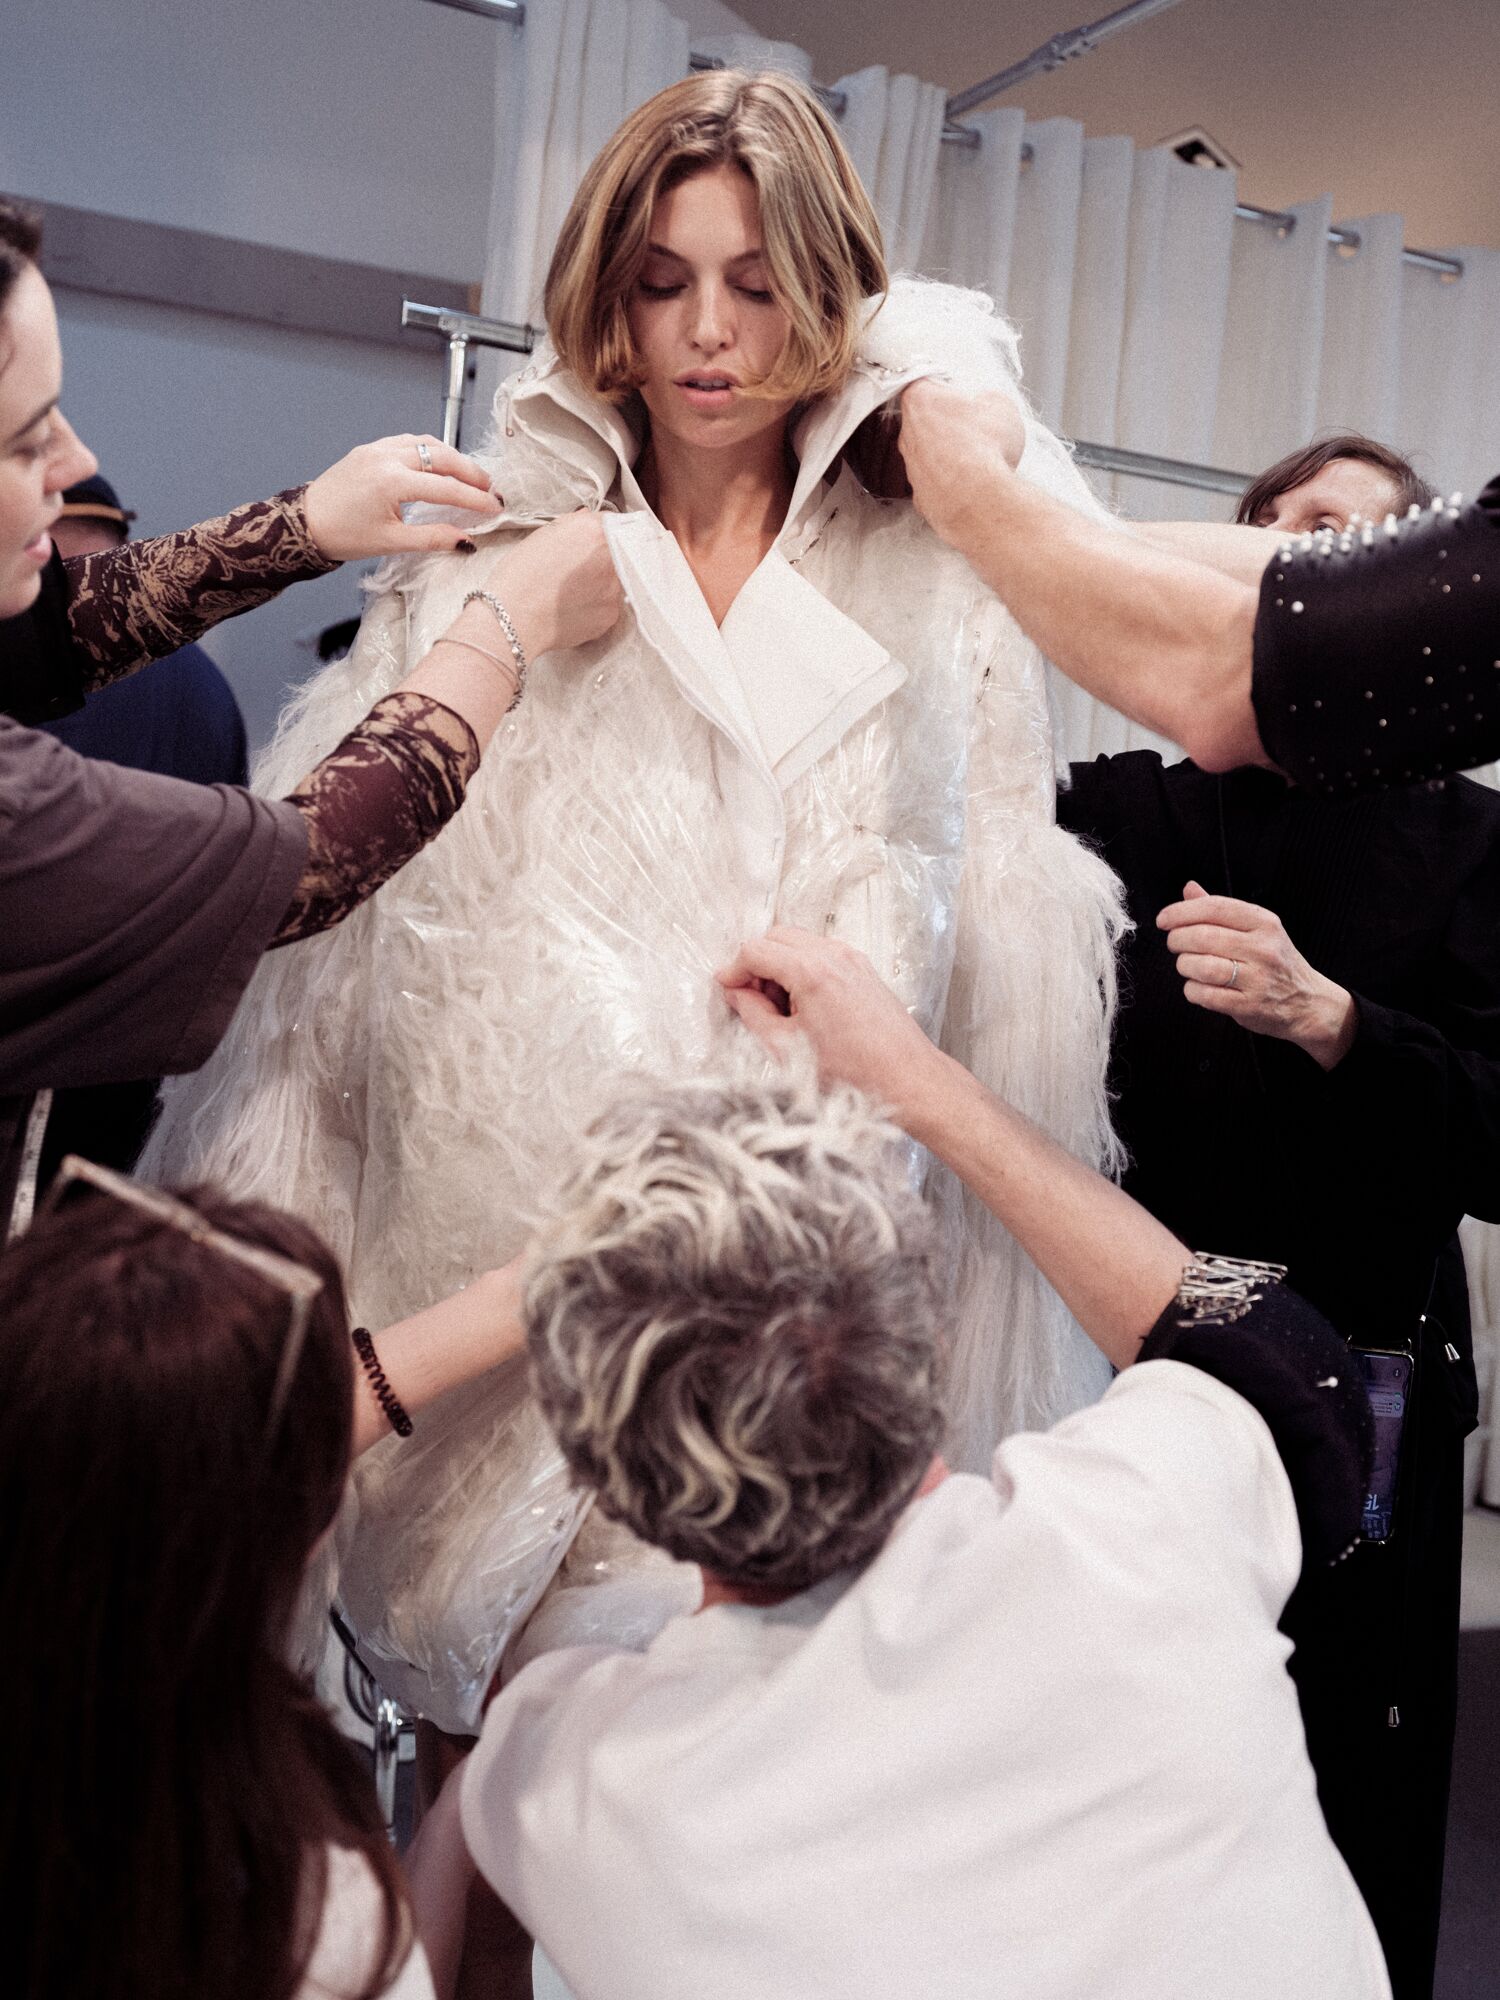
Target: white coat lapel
674,619
808,672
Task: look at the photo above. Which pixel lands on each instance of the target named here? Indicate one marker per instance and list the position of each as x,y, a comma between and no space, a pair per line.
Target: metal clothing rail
463,330
1054,53
1448,268
1168,471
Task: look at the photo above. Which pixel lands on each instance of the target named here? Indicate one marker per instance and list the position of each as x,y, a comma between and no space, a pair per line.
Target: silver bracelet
507,626
506,667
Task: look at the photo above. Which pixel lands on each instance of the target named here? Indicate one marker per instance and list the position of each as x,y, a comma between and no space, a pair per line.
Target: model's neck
707,498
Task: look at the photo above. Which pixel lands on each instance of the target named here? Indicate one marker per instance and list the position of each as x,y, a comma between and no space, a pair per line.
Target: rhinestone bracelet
507,626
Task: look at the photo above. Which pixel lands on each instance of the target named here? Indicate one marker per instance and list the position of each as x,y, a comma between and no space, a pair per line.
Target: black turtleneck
1356,1180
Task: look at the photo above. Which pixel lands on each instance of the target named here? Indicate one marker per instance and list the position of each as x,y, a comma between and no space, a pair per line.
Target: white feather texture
410,1082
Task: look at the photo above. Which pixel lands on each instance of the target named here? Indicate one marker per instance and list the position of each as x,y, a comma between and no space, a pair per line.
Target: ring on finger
1235,973
424,456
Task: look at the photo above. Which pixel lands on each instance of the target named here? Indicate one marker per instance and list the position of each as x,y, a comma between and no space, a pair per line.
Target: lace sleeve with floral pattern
142,600
394,781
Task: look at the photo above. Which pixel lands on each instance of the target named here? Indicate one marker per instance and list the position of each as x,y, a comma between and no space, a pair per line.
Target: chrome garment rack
1072,42
461,331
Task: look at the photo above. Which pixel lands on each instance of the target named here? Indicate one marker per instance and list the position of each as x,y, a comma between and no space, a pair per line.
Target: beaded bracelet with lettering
385,1395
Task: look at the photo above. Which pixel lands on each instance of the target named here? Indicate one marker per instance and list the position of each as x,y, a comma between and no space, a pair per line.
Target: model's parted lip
707,378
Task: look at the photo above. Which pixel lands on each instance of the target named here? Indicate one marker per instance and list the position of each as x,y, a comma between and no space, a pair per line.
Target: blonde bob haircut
823,250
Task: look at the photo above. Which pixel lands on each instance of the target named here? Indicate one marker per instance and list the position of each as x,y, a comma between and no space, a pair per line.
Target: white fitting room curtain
1149,316
584,65
892,126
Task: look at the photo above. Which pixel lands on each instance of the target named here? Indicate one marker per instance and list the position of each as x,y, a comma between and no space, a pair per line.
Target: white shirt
348,1937
1044,1745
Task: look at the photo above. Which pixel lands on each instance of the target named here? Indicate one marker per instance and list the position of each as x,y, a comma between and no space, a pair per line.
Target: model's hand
1236,959
954,446
354,508
559,585
789,986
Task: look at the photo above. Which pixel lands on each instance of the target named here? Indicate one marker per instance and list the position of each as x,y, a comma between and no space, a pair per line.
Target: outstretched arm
1115,1267
442,1347
135,603
1236,551
1354,663
1165,640
1128,1281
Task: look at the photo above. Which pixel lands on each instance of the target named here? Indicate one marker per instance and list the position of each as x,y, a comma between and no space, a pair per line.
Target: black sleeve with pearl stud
1377,652
1238,1322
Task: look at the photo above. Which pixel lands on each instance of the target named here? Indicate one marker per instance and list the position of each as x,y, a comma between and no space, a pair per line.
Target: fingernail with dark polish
465,547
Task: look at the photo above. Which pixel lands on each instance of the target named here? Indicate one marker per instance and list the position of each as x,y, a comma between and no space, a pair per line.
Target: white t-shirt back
344,1955
1043,1746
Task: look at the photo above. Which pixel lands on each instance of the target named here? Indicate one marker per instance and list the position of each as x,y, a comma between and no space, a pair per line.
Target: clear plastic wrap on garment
460,1580
411,1081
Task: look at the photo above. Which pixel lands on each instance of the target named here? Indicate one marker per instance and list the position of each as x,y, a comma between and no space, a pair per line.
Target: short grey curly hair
734,1325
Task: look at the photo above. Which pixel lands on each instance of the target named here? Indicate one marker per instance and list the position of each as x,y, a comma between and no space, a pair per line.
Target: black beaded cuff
1237,1322
385,1395
1377,652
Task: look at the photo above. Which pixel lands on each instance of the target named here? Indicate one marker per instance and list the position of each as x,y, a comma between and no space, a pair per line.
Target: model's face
1333,497
702,316
39,454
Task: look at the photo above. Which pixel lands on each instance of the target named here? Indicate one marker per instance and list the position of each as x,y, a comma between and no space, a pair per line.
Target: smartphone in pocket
1387,1374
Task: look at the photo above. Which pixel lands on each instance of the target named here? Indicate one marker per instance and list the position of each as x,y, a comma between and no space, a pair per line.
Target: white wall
190,413
358,129
348,128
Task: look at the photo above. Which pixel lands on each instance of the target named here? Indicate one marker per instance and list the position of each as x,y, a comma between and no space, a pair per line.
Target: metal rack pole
1054,53
1169,471
512,12
1060,49
1349,239
461,330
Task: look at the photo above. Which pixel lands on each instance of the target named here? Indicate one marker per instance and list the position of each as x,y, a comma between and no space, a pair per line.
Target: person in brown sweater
134,907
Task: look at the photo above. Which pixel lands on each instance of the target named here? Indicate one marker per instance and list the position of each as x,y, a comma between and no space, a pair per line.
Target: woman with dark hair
1309,1058
133,908
180,1819
1326,483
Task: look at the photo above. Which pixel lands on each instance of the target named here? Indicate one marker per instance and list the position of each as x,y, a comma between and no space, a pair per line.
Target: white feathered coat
863,749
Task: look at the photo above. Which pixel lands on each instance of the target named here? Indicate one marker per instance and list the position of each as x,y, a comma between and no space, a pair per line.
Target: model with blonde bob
810,713
821,236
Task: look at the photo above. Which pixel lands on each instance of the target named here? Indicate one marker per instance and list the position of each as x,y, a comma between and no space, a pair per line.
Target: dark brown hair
1297,467
174,1784
20,242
